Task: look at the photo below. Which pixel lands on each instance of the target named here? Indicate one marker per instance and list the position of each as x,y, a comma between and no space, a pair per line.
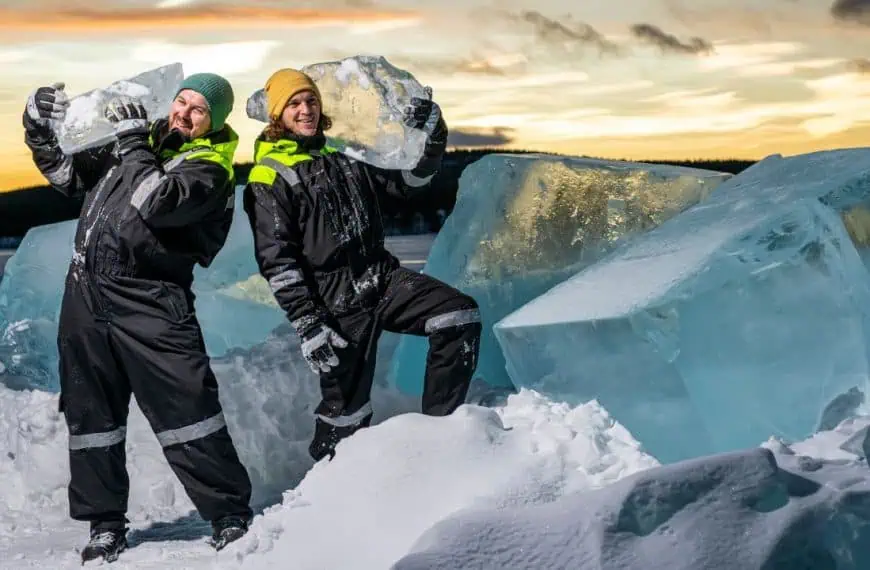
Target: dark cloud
565,35
555,33
669,43
852,11
487,138
859,65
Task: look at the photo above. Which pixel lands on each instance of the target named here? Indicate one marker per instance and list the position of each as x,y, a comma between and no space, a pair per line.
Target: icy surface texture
848,440
30,294
365,97
748,509
742,318
85,125
523,223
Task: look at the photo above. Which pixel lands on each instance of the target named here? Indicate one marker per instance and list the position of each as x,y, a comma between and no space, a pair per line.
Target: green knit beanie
218,94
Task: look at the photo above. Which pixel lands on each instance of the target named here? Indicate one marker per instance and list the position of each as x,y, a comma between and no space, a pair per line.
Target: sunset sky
651,79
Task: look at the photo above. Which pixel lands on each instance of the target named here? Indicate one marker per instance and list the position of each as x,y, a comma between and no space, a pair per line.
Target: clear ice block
365,96
85,126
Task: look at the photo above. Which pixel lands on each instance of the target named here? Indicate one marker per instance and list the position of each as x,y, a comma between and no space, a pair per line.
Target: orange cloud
185,18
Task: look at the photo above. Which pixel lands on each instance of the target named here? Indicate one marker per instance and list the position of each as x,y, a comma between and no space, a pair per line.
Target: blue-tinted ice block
739,319
523,223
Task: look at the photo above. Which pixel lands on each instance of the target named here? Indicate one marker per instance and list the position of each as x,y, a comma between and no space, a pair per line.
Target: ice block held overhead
365,97
86,127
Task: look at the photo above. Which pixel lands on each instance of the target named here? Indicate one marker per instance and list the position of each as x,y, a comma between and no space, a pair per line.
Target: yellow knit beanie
283,85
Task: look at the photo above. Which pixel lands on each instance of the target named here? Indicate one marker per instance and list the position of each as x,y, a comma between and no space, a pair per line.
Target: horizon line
496,150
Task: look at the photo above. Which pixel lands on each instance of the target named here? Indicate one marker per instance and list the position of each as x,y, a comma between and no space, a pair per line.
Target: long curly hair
275,130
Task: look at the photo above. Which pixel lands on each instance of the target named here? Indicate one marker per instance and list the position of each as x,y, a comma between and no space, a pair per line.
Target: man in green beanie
157,201
201,105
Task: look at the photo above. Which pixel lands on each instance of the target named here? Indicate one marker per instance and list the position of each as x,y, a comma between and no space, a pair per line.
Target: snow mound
365,509
391,482
738,510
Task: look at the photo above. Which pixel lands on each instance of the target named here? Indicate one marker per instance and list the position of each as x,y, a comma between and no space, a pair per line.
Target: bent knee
467,302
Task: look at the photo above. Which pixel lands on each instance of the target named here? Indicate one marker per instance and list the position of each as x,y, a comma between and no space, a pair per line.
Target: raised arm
406,183
186,190
71,175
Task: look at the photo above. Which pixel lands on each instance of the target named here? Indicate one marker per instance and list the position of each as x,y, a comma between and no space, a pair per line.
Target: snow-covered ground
364,510
412,479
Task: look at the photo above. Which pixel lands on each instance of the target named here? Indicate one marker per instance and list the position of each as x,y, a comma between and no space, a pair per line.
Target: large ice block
85,126
523,223
742,318
30,293
365,97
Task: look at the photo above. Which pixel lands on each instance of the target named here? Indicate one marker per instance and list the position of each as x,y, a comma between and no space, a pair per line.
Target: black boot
227,530
106,544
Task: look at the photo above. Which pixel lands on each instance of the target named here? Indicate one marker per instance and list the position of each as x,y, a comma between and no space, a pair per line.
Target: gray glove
319,346
126,114
48,104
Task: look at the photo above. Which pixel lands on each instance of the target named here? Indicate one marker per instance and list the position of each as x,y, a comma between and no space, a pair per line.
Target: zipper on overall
90,251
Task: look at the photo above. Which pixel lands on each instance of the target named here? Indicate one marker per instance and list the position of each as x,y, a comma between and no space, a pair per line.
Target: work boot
227,530
106,544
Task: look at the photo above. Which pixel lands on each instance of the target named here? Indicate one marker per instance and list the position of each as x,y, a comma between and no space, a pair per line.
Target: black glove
130,121
47,104
318,348
421,113
126,114
425,114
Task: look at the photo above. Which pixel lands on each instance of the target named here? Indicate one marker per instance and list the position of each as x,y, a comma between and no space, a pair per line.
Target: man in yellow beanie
319,241
157,201
283,85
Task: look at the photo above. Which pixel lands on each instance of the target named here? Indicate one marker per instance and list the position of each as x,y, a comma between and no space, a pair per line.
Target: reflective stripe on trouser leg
454,347
192,432
212,475
208,467
349,420
452,319
95,440
346,389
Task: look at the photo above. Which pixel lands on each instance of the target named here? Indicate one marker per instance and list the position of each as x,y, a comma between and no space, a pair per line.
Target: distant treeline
23,209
